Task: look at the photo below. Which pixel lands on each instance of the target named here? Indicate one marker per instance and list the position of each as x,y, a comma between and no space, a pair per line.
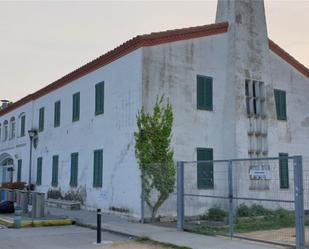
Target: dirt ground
283,235
133,245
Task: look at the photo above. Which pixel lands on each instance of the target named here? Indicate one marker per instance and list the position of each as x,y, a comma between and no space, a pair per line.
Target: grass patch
248,219
164,245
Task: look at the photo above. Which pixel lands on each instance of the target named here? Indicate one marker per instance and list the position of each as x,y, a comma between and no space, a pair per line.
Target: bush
14,185
54,194
216,214
255,210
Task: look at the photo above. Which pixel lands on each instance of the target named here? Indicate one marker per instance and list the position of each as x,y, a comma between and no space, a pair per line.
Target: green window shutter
41,119
57,112
22,126
55,171
280,100
98,168
76,107
39,171
19,165
99,98
284,170
74,170
205,175
204,93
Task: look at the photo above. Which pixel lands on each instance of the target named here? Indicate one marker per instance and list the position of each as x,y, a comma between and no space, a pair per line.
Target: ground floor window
19,165
55,171
98,168
205,175
39,171
74,170
284,170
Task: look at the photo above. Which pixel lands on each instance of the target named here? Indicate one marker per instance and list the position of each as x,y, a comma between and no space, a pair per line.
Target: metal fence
258,199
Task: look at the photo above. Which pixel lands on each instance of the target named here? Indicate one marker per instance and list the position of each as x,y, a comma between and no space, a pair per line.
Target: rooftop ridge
140,41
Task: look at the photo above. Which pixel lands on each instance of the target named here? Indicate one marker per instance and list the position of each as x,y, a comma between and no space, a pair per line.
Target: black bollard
98,226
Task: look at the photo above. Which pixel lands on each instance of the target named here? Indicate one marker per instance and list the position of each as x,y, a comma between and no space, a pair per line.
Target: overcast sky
42,41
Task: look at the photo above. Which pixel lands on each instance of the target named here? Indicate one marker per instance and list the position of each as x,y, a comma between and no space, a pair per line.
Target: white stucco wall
112,131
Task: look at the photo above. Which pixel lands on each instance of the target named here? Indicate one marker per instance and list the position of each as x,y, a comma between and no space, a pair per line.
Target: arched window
22,125
12,127
5,130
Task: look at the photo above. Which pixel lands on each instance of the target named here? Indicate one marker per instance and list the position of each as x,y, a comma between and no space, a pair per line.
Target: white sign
260,172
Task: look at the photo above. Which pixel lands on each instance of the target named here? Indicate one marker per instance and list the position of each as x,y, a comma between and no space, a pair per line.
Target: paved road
64,237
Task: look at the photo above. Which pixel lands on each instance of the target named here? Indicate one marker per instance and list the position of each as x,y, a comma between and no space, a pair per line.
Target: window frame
99,98
206,186
98,178
55,171
199,80
280,102
74,178
284,161
57,113
41,119
76,107
39,171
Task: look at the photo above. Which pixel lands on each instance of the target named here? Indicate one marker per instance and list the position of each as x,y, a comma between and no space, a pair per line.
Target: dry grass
134,245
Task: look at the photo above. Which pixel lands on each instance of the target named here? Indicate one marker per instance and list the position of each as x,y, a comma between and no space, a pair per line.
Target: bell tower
248,73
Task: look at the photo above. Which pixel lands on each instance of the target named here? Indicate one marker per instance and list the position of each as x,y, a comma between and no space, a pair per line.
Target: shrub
14,185
54,194
216,214
255,210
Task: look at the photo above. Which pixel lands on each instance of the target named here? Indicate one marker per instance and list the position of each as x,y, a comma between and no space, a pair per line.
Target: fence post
299,202
180,195
231,208
142,200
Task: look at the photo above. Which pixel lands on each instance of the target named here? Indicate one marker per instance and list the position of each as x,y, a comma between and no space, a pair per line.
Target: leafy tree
154,154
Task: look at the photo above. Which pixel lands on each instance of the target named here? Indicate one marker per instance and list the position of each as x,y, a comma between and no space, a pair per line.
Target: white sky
42,41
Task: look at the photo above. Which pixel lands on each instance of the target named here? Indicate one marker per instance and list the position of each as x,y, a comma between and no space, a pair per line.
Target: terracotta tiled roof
288,58
144,41
125,48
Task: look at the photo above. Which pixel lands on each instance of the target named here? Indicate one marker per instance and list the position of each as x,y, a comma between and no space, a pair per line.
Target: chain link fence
255,199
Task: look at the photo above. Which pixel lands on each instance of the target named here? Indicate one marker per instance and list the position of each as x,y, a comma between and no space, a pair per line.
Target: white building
234,92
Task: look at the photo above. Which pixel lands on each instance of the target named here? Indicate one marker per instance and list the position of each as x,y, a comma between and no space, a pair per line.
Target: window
12,127
0,132
5,130
205,176
280,99
76,107
98,168
41,119
99,98
204,93
57,111
22,125
19,165
39,171
55,171
74,170
284,170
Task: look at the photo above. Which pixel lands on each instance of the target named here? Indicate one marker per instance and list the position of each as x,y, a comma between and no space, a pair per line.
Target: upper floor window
41,119
99,98
255,98
5,130
76,107
12,127
57,113
204,93
280,99
22,125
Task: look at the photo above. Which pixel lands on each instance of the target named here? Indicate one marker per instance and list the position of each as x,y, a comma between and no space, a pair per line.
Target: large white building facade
234,92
